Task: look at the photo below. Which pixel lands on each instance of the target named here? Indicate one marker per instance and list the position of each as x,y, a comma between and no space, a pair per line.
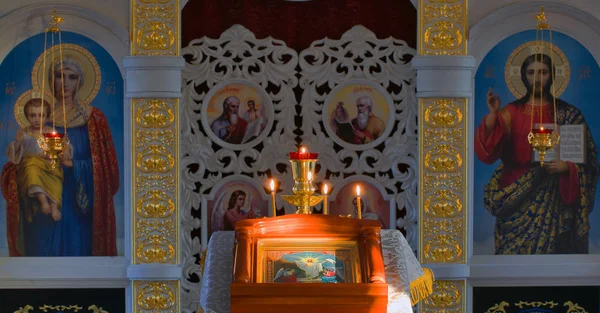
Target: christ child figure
36,179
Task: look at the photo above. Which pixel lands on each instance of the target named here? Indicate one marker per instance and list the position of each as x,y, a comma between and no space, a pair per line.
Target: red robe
237,135
106,185
508,142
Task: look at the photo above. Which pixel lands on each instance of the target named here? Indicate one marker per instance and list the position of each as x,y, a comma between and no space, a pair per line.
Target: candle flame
325,189
302,150
309,175
358,190
272,185
542,128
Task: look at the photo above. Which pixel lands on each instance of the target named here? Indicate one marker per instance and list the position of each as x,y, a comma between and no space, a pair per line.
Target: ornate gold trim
443,180
155,175
155,27
156,296
443,27
449,296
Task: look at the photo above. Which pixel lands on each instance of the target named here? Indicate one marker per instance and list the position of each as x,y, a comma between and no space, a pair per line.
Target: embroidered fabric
401,268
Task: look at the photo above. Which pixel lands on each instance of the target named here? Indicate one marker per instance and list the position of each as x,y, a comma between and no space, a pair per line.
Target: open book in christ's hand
571,147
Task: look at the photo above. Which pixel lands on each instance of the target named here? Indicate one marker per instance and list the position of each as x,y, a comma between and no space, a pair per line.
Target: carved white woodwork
267,65
359,58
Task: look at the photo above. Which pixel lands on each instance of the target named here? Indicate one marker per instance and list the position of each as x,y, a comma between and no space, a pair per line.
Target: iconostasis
259,81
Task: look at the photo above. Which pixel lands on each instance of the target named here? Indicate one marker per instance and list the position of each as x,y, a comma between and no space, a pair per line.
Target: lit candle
325,206
542,130
358,202
273,204
303,154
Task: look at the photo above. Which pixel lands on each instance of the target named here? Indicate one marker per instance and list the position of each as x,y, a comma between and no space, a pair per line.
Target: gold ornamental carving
570,306
443,159
155,27
574,307
443,248
155,31
61,308
155,249
155,113
156,238
536,304
443,114
443,204
155,158
443,27
155,204
498,307
443,193
448,297
156,296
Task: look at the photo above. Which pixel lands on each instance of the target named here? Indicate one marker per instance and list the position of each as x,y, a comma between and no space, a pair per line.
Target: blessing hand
556,167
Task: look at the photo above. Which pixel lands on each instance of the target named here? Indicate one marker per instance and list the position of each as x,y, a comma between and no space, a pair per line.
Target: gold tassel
421,287
202,261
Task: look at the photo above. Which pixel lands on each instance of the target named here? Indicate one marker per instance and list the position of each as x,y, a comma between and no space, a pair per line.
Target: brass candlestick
303,198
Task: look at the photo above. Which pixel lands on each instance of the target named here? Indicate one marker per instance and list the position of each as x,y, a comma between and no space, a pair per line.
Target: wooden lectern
308,263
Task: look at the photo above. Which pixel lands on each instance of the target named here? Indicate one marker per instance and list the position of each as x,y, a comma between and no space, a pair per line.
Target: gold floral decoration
443,27
155,27
443,171
155,175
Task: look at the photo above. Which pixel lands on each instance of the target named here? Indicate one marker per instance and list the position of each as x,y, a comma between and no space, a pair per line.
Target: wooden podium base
355,244
312,298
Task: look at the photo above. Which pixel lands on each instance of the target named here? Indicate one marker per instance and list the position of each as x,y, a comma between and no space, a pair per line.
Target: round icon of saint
237,114
358,115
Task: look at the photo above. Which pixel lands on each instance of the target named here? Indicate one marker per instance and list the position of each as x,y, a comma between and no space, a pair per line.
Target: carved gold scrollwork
445,295
443,36
164,1
498,307
450,136
442,249
155,159
95,309
155,249
61,308
452,227
155,113
25,309
74,308
443,27
574,307
443,204
452,181
146,228
443,159
536,304
156,296
156,29
443,113
163,182
155,204
144,137
155,36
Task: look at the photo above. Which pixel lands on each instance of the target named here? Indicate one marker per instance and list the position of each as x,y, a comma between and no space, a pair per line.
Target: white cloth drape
401,268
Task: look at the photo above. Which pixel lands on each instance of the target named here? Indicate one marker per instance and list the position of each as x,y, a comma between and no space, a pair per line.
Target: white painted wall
479,9
116,10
